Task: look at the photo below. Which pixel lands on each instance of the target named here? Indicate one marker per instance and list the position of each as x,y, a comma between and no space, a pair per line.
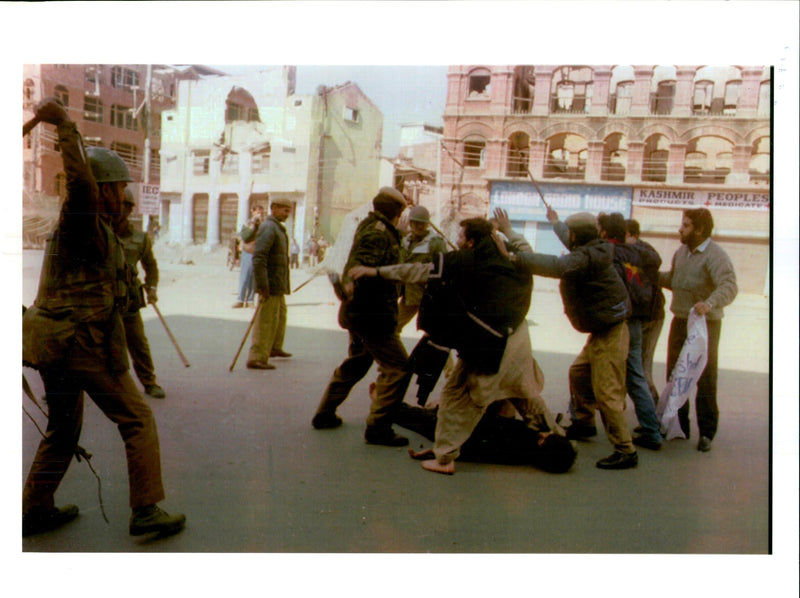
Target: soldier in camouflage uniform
138,248
370,315
73,334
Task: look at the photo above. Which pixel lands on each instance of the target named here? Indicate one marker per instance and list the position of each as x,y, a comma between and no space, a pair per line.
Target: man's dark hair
556,455
701,219
613,225
476,229
632,227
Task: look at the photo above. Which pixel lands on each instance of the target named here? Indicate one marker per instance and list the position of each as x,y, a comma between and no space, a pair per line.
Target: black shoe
259,365
145,520
644,442
155,391
37,521
279,353
326,420
704,445
385,438
617,460
577,432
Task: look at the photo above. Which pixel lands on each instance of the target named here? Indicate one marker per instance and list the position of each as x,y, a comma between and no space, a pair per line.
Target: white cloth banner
682,384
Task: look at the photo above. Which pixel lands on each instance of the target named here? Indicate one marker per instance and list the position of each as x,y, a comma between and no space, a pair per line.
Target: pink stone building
645,140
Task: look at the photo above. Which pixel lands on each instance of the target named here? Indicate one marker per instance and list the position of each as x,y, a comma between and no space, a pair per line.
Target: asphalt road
242,461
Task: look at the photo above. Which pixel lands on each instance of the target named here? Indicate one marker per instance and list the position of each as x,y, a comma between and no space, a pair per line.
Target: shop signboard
697,198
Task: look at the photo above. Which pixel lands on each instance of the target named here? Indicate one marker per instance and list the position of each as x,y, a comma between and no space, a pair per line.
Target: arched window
474,152
732,91
656,157
703,94
759,167
241,106
662,90
708,160
615,157
524,86
479,84
518,155
572,89
565,157
620,90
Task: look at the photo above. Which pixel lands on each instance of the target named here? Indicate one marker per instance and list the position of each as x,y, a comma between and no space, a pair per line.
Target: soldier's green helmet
107,166
419,214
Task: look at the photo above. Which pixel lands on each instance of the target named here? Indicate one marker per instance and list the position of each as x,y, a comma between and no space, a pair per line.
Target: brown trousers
270,328
139,348
597,381
118,398
390,387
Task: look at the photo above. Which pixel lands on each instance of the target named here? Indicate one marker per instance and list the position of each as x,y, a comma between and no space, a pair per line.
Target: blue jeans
246,277
638,388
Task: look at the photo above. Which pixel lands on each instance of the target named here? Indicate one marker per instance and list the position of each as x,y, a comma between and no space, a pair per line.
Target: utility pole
146,119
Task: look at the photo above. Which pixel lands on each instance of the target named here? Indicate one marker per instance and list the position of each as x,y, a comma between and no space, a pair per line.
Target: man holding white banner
701,278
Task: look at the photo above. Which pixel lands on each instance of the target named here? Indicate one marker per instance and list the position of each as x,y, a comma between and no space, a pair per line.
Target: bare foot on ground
436,467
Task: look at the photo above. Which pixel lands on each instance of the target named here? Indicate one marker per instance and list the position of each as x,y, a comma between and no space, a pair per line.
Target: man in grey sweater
701,278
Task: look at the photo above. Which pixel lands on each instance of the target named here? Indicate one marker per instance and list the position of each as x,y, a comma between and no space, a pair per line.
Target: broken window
474,153
518,155
732,90
664,98
524,86
656,156
572,89
480,81
200,162
703,94
351,114
240,106
230,163
260,162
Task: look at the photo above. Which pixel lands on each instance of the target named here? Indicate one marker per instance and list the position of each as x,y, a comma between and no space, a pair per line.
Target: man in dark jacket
595,301
370,316
631,261
271,281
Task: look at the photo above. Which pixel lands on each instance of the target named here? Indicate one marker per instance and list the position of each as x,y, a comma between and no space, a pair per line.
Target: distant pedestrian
294,254
701,278
247,236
